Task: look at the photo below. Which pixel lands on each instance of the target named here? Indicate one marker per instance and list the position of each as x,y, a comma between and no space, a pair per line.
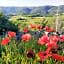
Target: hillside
39,11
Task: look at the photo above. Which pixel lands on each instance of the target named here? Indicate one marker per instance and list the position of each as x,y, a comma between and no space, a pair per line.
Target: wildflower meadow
34,45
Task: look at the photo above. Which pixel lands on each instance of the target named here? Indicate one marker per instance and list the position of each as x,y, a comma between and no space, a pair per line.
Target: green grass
35,20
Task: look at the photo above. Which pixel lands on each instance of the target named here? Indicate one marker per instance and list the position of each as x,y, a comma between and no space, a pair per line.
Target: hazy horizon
30,6
30,3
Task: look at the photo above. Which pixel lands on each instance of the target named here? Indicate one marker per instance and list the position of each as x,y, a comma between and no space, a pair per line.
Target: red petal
58,57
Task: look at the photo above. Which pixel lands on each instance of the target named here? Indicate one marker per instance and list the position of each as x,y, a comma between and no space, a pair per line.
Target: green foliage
6,24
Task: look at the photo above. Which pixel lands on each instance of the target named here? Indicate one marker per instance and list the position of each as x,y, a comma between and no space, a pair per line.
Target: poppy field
36,45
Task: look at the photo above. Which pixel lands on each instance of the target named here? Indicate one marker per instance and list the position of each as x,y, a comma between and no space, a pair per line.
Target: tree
6,24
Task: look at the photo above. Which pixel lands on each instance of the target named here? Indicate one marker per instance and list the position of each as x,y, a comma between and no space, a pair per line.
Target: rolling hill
34,11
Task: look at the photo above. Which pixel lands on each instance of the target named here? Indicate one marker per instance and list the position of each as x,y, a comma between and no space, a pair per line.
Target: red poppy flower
58,57
32,26
51,30
11,34
61,38
26,37
5,41
43,40
44,55
30,53
46,28
54,51
25,29
39,27
53,39
51,44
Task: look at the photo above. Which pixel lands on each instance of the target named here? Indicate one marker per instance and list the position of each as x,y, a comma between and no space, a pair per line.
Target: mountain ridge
41,10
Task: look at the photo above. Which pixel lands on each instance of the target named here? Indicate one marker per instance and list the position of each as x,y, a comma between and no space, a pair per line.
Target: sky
30,3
